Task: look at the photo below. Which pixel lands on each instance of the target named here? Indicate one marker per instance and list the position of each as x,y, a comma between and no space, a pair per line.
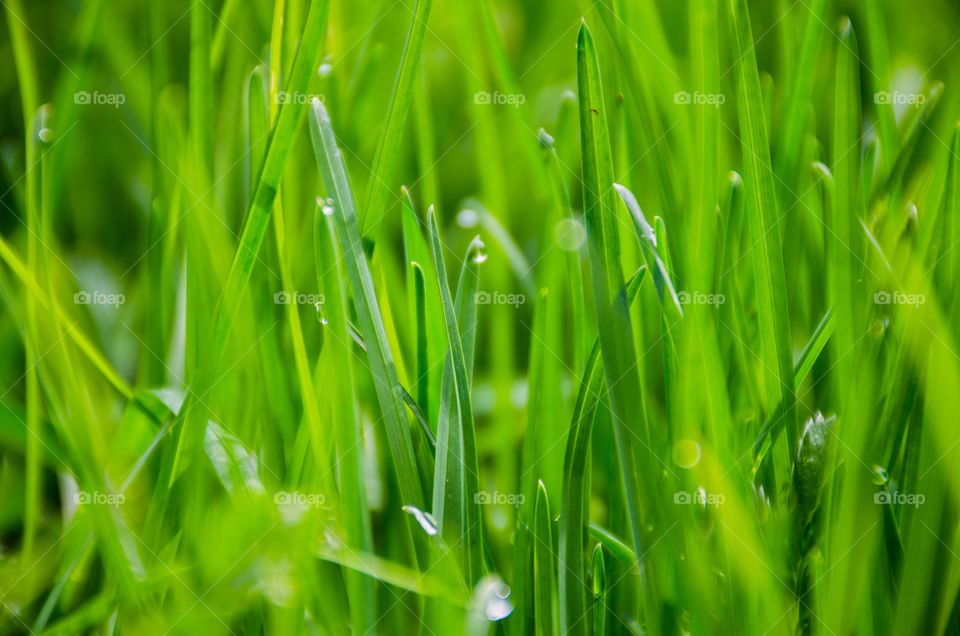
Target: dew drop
492,598
468,217
880,475
570,234
425,519
686,453
45,135
325,69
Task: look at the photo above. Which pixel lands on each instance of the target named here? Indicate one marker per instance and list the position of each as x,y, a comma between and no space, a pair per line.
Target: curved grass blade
648,243
809,355
388,150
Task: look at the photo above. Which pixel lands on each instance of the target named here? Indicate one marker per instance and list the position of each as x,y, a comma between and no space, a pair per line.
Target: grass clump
627,318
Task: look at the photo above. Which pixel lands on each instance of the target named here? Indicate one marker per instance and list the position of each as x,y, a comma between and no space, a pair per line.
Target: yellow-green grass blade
346,426
763,221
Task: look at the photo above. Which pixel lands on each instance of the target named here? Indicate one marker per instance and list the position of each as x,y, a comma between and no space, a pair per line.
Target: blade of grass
388,149
187,433
770,279
576,486
346,426
544,569
386,382
613,316
473,524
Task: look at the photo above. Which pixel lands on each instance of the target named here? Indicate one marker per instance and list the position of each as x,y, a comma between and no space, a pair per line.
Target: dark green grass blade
770,279
388,150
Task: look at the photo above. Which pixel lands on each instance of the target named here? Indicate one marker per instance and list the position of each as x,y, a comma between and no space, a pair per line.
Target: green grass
492,317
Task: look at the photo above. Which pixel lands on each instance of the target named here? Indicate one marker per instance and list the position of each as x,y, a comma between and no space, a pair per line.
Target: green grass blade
599,592
576,486
544,568
346,426
386,382
770,279
388,149
610,306
473,524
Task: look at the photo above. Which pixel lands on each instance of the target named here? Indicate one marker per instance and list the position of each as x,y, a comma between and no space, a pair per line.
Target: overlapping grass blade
576,486
610,305
473,524
770,279
386,382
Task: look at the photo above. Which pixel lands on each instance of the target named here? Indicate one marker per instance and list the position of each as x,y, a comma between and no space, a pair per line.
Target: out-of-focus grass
483,317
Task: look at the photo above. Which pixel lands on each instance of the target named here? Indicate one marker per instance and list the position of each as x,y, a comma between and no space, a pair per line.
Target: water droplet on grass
425,519
880,475
492,598
467,218
686,453
570,234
